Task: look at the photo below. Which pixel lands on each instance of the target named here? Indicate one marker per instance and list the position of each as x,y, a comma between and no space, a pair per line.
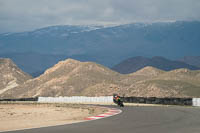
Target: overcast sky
22,15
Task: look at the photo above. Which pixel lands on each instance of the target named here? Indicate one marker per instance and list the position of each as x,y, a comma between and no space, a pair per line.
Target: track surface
135,120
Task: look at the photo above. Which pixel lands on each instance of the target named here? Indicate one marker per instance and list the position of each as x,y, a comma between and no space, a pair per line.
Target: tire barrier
164,101
20,99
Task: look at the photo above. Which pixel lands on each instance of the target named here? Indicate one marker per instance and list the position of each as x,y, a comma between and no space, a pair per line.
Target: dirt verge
33,115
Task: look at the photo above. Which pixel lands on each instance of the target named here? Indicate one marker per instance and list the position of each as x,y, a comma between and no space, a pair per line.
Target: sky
24,15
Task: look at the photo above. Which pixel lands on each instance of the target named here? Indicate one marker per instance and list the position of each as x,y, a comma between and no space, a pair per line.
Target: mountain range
136,63
107,46
191,60
74,78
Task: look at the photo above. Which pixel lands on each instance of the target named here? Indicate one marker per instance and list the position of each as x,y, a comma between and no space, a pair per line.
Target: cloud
155,10
21,15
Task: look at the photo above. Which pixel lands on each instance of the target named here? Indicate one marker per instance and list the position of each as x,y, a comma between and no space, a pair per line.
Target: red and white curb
111,112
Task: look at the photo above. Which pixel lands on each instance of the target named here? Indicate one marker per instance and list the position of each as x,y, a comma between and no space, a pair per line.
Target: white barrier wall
76,99
83,99
195,101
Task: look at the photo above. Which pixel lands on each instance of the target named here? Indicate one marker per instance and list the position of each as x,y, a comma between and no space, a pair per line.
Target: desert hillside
75,78
10,75
69,77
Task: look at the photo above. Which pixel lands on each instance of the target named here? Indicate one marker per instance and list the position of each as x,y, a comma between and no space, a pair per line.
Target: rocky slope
69,77
10,75
75,78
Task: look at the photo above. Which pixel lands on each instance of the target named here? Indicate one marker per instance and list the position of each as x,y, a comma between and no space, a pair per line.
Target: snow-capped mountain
56,31
63,30
107,45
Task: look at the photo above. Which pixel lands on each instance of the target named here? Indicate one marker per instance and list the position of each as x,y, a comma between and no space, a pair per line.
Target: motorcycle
117,100
120,103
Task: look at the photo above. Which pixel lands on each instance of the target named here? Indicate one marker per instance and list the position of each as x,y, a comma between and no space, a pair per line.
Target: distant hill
136,63
148,72
75,78
104,45
10,75
192,60
181,81
152,82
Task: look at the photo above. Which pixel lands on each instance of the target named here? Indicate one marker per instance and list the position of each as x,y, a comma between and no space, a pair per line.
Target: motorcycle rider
117,100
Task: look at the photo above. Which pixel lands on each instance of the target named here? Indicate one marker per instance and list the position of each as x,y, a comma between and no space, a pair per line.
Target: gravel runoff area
18,116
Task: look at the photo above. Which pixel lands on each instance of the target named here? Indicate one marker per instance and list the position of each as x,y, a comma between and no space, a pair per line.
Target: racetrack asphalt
135,119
